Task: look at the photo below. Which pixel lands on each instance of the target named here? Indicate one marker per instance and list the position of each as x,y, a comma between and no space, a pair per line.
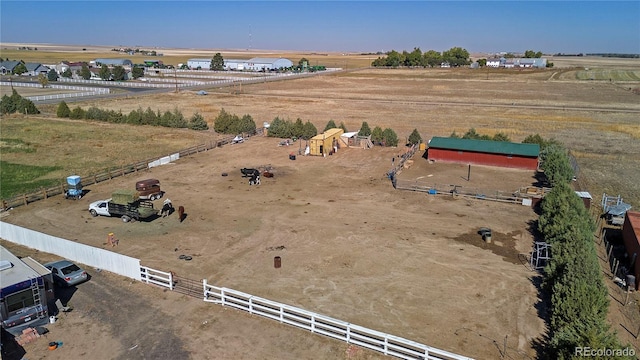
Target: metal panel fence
85,254
467,192
324,325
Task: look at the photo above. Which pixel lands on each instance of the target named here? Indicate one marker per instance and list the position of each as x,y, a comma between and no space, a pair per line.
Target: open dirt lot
352,248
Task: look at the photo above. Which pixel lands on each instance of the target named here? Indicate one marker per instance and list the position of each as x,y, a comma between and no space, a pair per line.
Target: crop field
611,75
352,246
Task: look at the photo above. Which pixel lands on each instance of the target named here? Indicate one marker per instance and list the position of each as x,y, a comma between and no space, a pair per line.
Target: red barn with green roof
484,152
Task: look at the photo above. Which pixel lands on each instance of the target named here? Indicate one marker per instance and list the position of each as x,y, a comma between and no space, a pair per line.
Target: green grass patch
18,179
8,145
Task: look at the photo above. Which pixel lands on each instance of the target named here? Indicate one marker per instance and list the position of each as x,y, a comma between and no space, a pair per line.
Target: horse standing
181,213
167,208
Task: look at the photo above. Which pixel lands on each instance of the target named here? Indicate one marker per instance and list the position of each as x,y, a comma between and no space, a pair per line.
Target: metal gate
188,287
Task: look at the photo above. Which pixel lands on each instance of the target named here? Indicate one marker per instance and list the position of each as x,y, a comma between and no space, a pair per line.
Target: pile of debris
28,335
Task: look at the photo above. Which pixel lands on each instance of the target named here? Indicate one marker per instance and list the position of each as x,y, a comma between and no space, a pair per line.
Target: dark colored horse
246,172
181,213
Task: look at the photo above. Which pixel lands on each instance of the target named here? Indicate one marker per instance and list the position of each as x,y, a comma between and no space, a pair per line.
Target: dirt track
352,248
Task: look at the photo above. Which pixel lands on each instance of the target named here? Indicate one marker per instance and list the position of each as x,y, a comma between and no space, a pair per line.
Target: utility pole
175,77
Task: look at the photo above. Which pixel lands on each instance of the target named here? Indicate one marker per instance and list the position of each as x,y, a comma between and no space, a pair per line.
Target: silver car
67,273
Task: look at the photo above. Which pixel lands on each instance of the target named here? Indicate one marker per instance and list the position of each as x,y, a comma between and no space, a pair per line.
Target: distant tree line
226,123
473,135
172,119
624,56
16,103
578,298
386,137
455,56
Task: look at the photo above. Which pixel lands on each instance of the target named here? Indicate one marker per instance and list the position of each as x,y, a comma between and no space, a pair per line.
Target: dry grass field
352,247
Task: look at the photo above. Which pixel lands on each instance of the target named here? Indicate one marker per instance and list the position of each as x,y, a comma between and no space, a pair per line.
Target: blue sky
344,26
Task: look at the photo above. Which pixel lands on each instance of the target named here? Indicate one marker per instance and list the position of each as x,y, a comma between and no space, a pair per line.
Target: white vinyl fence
156,277
77,252
324,325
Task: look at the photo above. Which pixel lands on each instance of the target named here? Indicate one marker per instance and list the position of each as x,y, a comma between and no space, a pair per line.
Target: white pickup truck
141,209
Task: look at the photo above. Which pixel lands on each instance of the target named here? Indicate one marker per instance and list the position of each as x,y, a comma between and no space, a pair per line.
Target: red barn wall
630,234
478,158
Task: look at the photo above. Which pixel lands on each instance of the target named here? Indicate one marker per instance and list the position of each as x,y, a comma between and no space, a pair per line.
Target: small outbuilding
195,64
631,239
267,64
484,152
326,143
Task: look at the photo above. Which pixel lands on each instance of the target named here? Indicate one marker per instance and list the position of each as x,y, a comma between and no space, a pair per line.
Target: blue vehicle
74,188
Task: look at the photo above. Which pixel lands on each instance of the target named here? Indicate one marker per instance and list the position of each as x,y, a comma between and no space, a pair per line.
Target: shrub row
578,296
173,119
16,103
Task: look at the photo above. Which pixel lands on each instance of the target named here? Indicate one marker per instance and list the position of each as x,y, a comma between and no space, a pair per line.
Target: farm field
352,247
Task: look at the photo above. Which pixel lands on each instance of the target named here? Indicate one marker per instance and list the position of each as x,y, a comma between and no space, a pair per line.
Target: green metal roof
485,146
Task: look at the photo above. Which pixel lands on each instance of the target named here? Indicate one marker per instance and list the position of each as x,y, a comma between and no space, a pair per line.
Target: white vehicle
141,209
237,140
99,208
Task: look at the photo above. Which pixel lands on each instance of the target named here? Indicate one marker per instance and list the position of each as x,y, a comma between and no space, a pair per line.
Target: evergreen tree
343,127
309,130
63,110
137,72
119,73
52,75
376,135
197,122
501,137
105,73
390,137
364,129
217,62
415,137
85,73
77,113
297,130
246,125
330,125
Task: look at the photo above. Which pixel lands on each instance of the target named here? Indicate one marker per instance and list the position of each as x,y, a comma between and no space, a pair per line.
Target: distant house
7,67
495,62
533,63
517,63
35,69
